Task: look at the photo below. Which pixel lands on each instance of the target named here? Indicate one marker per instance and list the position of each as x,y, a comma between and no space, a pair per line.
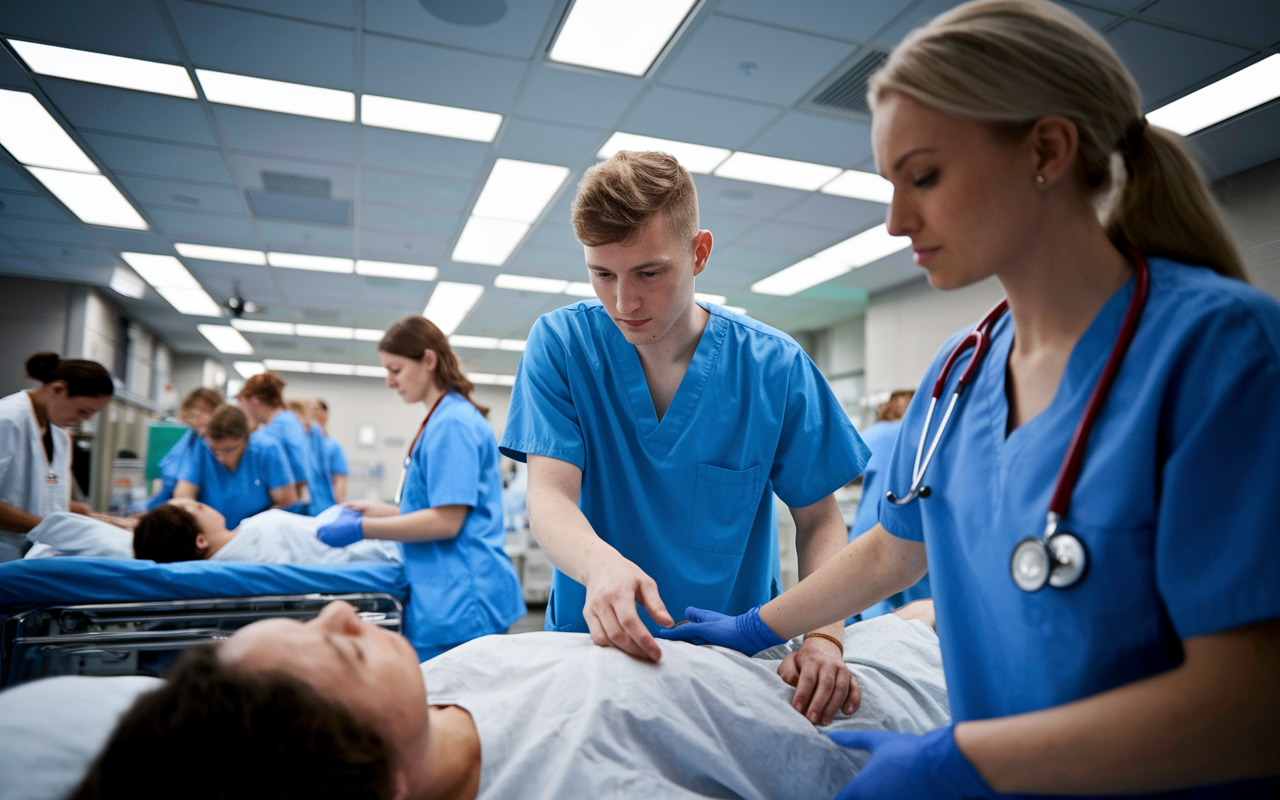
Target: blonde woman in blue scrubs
1154,666
449,518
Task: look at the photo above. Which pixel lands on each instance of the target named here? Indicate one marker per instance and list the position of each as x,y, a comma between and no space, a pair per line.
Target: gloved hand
346,529
928,767
745,633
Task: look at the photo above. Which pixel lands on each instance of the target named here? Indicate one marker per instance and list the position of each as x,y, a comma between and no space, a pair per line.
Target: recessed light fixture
590,36
174,283
798,277
371,372
369,335
248,369
428,118
776,171
326,368
474,342
315,263
230,255
580,289
489,379
34,138
92,198
1238,92
263,326
279,96
126,282
226,339
519,190
697,158
124,73
718,299
390,269
860,186
324,331
489,241
527,283
735,309
868,246
513,345
450,303
286,365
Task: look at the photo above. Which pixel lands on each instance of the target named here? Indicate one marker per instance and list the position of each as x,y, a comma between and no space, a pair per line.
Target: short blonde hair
618,197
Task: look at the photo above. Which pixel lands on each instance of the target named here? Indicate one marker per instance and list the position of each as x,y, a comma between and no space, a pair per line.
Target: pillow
52,729
77,535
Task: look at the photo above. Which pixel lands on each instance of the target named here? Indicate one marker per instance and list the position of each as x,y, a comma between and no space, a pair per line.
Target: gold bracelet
831,639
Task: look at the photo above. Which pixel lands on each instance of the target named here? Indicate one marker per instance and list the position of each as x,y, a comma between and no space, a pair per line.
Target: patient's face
372,672
207,517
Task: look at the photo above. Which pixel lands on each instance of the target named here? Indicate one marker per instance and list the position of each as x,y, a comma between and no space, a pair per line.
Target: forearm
863,572
185,490
340,488
820,535
15,520
565,535
281,497
1210,720
424,525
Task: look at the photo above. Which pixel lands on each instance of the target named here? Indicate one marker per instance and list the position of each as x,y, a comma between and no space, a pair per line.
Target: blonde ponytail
1012,62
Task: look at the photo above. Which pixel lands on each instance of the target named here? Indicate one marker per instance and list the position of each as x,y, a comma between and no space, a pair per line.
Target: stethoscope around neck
1056,557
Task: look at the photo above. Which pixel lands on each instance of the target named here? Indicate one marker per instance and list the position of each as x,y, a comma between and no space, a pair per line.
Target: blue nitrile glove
928,767
346,529
746,633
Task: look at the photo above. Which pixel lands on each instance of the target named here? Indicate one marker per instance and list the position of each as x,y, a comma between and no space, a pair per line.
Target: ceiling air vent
848,92
298,198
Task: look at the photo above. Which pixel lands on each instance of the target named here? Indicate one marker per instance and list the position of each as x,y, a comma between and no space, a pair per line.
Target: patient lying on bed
339,707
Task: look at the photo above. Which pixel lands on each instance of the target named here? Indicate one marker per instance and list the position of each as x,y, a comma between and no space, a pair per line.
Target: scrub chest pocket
724,508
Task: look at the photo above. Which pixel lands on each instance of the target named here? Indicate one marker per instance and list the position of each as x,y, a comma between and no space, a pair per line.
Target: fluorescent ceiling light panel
1238,92
513,345
776,171
34,138
428,118
580,289
369,335
798,277
226,338
263,326
284,365
489,379
285,98
861,186
371,372
450,303
526,283
697,158
161,271
324,331
736,309
193,302
126,282
326,368
315,263
474,342
125,73
230,255
489,241
618,35
718,299
92,198
248,369
519,190
390,269
870,245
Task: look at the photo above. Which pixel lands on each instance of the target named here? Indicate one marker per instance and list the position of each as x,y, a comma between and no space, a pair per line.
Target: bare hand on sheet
614,587
824,684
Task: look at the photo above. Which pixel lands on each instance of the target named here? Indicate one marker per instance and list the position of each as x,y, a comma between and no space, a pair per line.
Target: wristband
829,638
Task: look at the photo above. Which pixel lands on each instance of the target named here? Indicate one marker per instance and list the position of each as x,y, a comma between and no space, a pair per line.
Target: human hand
373,508
929,767
347,529
745,633
614,587
824,683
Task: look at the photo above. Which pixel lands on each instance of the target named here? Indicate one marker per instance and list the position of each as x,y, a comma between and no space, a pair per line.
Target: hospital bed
102,617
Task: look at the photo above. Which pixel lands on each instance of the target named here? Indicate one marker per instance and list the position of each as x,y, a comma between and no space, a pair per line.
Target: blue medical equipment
1057,557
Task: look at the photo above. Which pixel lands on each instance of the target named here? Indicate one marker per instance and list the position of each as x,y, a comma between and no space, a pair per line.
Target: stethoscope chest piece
1059,561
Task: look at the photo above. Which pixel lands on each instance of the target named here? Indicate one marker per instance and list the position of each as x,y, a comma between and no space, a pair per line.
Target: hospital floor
531,622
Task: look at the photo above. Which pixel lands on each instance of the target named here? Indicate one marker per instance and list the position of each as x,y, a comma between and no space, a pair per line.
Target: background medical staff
195,411
35,453
335,460
262,399
449,521
237,472
1003,125
318,480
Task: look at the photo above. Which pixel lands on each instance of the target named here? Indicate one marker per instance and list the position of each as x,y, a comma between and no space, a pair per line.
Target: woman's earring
1040,180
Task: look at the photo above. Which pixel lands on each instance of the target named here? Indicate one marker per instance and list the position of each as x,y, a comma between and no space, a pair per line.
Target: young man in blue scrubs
657,431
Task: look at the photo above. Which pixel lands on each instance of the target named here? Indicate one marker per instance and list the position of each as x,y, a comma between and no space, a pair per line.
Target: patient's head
217,730
180,530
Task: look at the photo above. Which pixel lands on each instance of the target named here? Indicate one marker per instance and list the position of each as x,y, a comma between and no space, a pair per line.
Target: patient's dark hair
213,731
167,533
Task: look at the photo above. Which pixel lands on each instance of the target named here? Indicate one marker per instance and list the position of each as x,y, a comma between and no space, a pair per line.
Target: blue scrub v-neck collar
687,394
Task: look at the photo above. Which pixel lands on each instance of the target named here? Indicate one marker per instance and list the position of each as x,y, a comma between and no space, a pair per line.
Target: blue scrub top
170,466
464,587
688,499
335,459
247,491
286,429
318,479
1175,500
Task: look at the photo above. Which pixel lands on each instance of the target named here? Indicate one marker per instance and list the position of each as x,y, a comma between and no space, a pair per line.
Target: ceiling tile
556,234
24,229
451,194
1095,18
9,249
263,46
56,255
124,27
414,152
286,134
331,12
158,159
744,199
256,284
135,113
247,169
918,15
743,265
14,265
171,220
724,228
180,194
414,248
859,21
439,223
11,75
1166,62
1253,21
414,71
810,137
15,178
698,118
516,33
550,144
15,204
801,240
841,213
311,235
580,98
1240,143
787,64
